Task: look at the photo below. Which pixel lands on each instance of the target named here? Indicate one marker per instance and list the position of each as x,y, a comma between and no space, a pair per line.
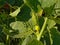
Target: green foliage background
18,19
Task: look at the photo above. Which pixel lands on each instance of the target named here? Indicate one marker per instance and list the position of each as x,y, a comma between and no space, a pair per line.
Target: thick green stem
43,27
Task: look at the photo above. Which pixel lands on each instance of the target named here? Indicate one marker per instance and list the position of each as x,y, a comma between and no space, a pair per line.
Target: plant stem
7,40
7,37
51,41
43,27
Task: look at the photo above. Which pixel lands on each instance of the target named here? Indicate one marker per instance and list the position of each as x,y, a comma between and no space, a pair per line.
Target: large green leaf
24,31
47,3
55,36
24,15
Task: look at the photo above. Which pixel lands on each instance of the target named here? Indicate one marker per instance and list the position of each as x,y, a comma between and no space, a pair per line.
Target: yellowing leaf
15,13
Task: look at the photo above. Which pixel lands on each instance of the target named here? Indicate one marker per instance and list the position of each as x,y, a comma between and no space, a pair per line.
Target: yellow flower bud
37,28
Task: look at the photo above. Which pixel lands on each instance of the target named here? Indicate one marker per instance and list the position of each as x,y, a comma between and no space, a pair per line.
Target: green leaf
18,3
47,3
33,20
3,16
35,42
10,2
27,40
2,2
15,2
49,11
51,23
23,34
15,13
1,43
6,31
21,27
46,38
57,20
32,4
58,4
24,15
41,21
31,40
57,7
55,36
18,25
